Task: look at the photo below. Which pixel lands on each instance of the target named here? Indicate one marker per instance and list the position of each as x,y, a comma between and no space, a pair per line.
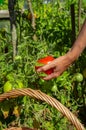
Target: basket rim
19,128
46,98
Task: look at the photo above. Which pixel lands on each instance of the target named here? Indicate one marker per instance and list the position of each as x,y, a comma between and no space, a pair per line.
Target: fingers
45,67
59,65
56,65
51,76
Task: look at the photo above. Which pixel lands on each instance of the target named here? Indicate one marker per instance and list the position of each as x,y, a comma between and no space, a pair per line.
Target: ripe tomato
44,61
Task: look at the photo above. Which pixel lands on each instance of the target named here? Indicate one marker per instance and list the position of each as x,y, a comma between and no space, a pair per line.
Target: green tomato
18,57
7,86
19,84
10,77
78,77
54,88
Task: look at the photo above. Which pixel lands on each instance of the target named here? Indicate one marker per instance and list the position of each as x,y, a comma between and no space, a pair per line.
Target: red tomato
44,61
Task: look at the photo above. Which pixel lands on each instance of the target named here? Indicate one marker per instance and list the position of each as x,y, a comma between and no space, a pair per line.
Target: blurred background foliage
52,34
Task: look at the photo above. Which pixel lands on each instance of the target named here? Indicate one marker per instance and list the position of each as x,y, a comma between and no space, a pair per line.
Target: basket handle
44,97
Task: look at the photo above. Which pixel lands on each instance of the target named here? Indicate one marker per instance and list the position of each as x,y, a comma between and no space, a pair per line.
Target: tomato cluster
12,83
11,107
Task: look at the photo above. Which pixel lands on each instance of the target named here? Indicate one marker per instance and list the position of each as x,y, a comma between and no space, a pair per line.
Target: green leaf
84,1
1,2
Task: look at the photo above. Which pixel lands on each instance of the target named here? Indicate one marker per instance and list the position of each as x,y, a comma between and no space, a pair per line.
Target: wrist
71,56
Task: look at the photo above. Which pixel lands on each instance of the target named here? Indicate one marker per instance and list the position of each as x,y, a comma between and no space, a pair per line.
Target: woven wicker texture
16,128
48,99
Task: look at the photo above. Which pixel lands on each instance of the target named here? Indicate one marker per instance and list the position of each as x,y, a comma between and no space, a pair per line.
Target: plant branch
32,18
32,14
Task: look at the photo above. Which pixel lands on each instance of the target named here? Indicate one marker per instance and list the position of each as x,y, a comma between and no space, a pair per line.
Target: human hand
59,65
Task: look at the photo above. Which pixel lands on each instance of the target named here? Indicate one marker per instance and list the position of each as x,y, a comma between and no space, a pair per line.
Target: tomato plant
53,37
12,84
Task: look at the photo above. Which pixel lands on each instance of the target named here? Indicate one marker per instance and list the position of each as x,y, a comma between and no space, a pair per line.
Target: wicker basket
48,99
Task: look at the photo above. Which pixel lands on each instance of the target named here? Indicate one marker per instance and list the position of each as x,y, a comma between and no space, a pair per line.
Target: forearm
79,44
